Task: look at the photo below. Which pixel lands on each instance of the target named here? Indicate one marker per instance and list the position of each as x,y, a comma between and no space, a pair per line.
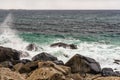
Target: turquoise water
48,39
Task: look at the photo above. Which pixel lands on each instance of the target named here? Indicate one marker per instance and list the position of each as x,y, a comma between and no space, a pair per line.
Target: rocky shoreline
45,66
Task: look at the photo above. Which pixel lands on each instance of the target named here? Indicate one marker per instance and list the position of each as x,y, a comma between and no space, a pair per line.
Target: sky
60,4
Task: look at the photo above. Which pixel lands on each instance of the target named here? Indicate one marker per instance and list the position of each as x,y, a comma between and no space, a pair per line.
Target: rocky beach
45,66
59,45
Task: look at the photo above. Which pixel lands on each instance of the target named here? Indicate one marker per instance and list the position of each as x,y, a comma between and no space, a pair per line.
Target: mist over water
102,52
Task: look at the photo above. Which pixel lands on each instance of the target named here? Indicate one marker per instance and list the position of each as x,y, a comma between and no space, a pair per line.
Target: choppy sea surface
96,33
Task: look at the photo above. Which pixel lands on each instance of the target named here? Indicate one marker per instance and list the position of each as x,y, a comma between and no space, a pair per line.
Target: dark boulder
109,72
24,61
32,47
7,64
26,68
44,57
64,45
24,54
58,62
8,54
82,64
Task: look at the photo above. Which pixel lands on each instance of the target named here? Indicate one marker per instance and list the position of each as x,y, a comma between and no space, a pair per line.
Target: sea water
96,33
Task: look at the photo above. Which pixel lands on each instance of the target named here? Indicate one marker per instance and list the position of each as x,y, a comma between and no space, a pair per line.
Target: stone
64,45
26,68
7,74
8,54
44,57
7,64
109,72
82,64
58,62
48,70
62,69
32,47
24,54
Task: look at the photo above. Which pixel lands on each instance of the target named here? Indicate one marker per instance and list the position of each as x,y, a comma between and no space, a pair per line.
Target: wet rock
64,45
24,61
82,64
8,54
44,57
7,64
7,74
24,54
32,47
58,62
116,61
109,72
72,46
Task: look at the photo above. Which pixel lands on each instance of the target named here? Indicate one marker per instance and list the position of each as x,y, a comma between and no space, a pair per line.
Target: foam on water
101,52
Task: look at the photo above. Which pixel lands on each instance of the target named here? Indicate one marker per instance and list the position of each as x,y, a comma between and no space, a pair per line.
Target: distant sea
95,32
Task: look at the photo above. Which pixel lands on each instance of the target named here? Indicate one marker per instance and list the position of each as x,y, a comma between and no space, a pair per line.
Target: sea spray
101,52
8,35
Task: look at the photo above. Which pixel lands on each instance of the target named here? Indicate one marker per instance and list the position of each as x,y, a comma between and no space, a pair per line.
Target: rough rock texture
7,74
8,54
82,64
109,72
26,68
64,45
44,57
7,64
49,71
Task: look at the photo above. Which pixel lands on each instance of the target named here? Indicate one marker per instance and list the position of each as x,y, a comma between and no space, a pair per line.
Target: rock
44,57
26,68
82,64
64,45
7,64
8,54
58,62
24,61
62,69
32,47
109,72
75,76
116,61
46,74
7,74
72,46
24,54
49,71
20,68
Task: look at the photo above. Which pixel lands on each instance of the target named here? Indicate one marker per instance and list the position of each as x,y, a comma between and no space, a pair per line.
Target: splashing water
8,36
103,53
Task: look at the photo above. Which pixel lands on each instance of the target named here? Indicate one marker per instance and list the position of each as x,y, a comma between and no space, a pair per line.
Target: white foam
103,53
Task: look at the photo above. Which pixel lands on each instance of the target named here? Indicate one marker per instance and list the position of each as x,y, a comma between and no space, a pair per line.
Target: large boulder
44,57
26,68
64,45
8,54
7,74
82,64
49,71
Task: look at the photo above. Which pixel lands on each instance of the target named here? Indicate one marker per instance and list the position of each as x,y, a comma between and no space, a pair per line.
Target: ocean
95,32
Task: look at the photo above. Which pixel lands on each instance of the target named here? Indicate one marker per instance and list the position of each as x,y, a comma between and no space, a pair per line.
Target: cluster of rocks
45,66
